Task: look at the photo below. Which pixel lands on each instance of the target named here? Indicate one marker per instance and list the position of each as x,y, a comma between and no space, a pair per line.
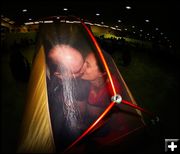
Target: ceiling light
97,14
65,9
128,7
11,22
24,10
48,21
6,19
88,23
29,23
113,28
105,26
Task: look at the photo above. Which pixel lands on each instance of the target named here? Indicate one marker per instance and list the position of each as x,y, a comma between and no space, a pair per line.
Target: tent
75,109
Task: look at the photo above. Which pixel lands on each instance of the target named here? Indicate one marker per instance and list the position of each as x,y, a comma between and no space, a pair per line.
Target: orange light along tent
71,109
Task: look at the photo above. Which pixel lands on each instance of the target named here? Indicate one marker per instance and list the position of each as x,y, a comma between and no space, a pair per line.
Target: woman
100,88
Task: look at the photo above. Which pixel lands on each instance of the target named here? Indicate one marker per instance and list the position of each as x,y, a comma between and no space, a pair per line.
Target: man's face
68,73
91,69
69,61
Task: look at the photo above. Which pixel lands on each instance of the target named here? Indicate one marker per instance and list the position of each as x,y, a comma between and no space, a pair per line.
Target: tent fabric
59,109
36,133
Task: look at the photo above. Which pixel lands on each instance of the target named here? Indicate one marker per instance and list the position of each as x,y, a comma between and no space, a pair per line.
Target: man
66,94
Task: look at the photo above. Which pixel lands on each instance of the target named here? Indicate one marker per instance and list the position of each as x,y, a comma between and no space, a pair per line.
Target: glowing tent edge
36,133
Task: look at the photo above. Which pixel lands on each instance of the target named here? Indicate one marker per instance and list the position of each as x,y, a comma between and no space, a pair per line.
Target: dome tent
73,113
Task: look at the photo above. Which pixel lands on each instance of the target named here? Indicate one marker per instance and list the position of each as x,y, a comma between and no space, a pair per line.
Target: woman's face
91,68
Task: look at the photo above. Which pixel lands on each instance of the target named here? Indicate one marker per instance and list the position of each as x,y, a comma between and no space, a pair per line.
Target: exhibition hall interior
142,40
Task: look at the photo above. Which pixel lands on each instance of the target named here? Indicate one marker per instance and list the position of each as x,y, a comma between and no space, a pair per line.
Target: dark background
152,75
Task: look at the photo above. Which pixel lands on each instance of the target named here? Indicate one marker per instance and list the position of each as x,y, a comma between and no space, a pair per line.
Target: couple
78,91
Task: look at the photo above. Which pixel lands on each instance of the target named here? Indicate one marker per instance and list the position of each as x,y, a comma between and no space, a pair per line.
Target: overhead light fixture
119,20
76,21
29,23
88,23
6,19
24,10
97,14
97,24
147,20
48,21
105,26
113,28
65,9
36,22
11,22
128,7
67,21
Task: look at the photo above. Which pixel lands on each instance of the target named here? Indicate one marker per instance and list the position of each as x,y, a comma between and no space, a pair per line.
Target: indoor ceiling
148,17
